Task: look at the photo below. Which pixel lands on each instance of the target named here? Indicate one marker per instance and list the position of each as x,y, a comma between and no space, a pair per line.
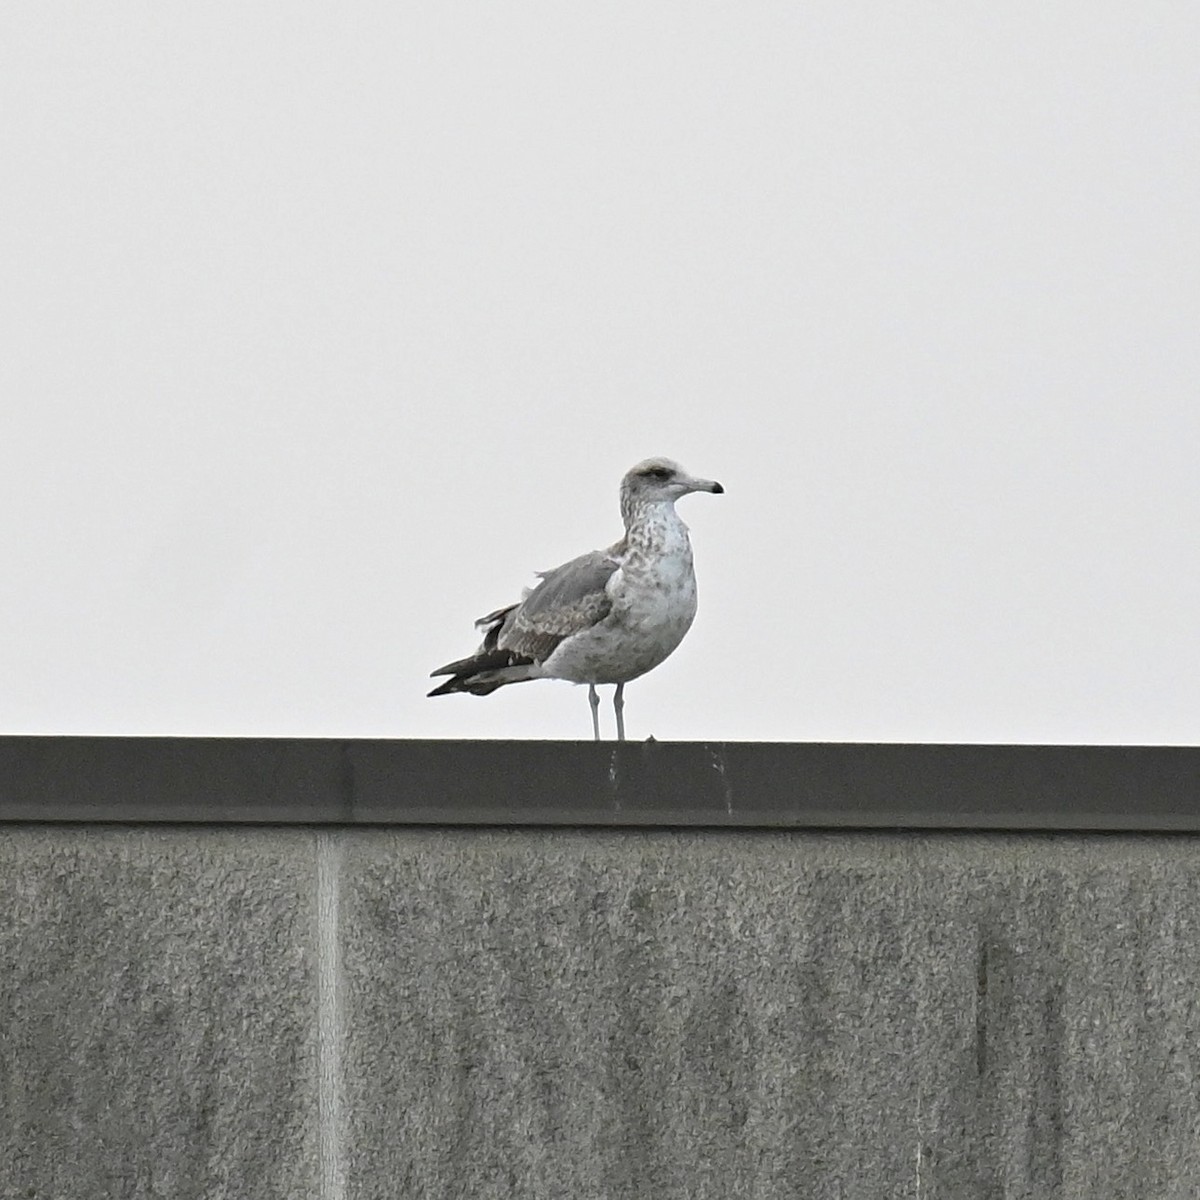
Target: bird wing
570,599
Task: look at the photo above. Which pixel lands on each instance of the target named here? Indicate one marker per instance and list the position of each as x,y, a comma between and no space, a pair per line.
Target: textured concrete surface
364,1014
157,1023
738,1015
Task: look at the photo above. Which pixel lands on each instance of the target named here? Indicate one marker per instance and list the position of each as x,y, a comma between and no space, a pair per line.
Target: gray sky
326,325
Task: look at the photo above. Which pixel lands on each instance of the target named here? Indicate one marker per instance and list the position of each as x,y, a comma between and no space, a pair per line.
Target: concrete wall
336,1014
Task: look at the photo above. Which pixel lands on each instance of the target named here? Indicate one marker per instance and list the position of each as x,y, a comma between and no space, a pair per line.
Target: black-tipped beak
690,483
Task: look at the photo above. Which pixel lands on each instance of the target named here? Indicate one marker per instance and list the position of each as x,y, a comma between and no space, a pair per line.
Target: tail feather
483,673
489,667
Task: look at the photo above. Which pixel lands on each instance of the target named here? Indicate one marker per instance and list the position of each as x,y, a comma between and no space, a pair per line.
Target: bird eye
658,473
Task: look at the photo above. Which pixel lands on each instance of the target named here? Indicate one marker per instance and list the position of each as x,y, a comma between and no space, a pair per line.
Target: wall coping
748,785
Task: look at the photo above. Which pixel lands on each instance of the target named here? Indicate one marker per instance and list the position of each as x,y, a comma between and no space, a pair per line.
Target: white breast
654,603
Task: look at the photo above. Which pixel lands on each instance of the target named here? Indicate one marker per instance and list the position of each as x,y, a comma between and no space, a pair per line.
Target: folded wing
519,638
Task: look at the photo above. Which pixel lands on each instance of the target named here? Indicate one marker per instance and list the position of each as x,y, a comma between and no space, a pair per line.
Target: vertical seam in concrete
329,1018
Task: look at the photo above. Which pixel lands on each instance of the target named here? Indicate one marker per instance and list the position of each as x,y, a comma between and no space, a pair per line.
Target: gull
608,616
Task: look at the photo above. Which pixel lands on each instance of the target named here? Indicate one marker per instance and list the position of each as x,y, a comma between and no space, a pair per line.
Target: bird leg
619,709
594,701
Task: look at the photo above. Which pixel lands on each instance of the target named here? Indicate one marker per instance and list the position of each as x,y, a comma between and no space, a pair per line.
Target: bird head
662,479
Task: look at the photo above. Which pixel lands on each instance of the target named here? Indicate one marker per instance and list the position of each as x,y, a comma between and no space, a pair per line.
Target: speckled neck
640,512
637,511
654,529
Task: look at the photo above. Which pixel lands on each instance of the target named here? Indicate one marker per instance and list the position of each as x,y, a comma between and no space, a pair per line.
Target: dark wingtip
718,490
450,685
464,674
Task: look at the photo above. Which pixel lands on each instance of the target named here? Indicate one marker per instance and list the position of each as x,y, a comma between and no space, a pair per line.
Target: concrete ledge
396,997
746,785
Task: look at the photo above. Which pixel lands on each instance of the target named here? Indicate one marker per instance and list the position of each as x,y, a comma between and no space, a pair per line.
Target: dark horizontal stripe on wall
741,784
